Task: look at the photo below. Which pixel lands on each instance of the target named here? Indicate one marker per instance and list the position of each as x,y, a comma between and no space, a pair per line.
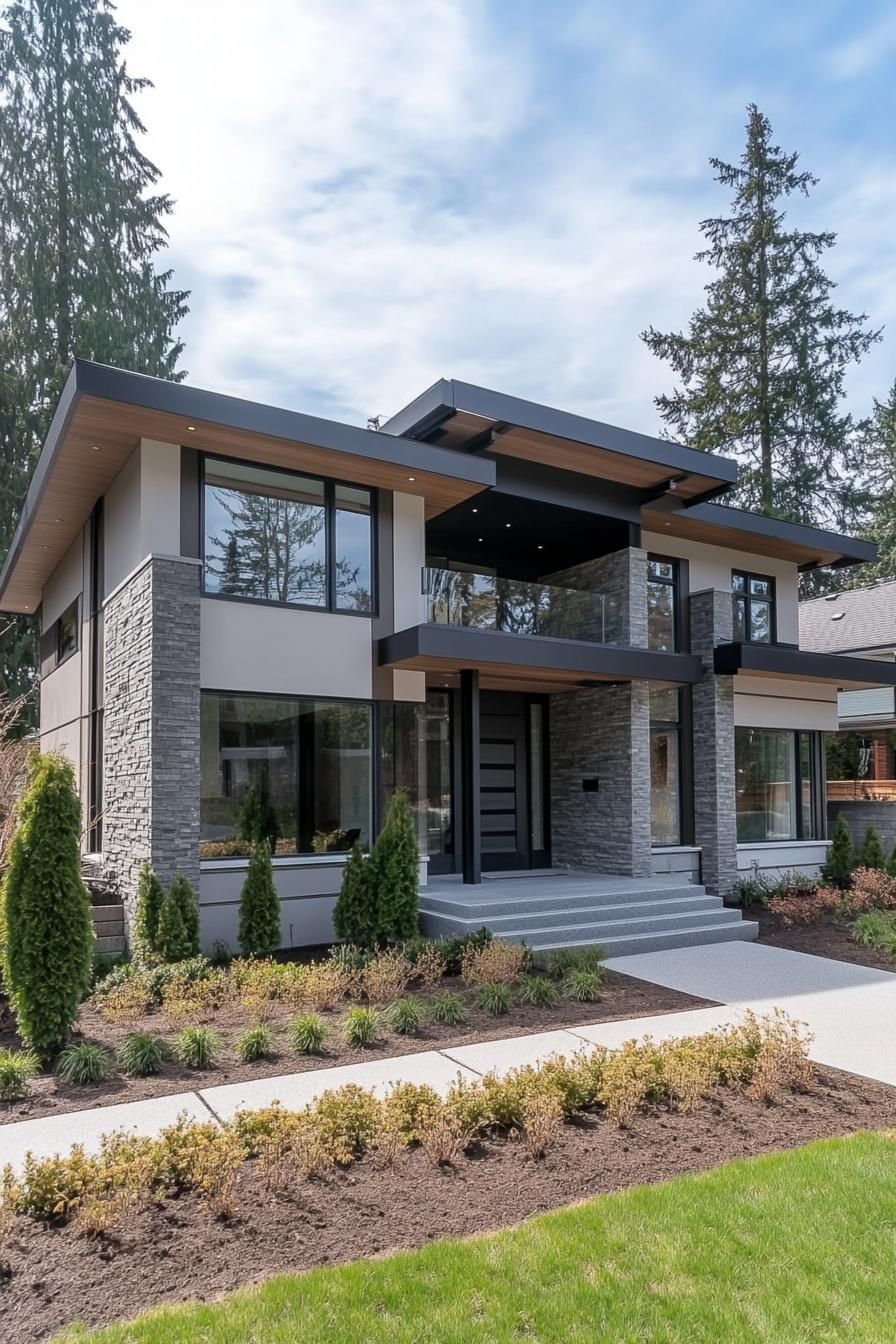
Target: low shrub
140,1055
782,1062
871,854
496,961
806,906
306,1034
344,1122
870,889
254,1044
539,991
877,928
196,1047
427,957
453,949
325,984
361,1027
446,1138
446,1008
405,1016
83,1062
408,1110
583,983
350,957
567,959
493,997
126,1002
17,1068
386,976
225,849
632,1075
198,1000
542,1123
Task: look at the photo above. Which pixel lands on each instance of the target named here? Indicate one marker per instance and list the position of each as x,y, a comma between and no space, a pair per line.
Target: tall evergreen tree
79,229
880,461
762,365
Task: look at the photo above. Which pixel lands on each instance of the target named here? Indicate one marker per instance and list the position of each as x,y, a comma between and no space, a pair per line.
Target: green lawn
800,1246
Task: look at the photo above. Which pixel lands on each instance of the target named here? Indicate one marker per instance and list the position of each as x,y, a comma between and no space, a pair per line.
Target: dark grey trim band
481,648
852,549
784,661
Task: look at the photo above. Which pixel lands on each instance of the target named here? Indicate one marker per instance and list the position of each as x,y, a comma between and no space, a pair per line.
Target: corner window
302,765
775,784
754,607
665,767
662,604
67,633
274,536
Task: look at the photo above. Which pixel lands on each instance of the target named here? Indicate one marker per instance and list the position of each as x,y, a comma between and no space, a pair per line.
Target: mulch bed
621,997
826,937
173,1251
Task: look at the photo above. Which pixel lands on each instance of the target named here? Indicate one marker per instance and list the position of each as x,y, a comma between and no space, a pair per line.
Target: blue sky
372,194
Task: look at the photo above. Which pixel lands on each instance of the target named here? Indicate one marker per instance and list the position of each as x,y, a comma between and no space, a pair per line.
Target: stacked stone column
151,725
715,818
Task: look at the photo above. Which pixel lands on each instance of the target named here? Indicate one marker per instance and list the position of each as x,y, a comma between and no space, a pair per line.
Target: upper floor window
67,633
662,604
276,536
754,607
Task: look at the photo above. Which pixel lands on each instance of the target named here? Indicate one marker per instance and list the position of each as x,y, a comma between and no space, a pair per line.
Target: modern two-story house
584,669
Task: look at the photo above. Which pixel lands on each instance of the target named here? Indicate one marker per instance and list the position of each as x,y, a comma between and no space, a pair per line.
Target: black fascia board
854,550
520,478
480,648
422,415
787,661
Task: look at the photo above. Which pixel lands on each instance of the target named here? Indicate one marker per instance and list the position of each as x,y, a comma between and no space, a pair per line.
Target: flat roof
784,662
475,419
103,412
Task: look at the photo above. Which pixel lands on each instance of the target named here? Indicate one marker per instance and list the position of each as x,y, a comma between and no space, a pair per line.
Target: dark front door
505,782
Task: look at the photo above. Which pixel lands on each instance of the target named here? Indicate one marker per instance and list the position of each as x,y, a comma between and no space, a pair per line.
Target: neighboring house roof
862,619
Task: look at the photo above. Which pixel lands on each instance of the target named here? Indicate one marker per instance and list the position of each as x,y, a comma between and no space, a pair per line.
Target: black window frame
73,611
675,726
771,602
330,484
675,584
816,784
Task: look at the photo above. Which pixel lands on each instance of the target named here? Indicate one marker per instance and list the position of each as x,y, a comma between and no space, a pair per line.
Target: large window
665,767
308,760
754,607
662,604
274,536
775,784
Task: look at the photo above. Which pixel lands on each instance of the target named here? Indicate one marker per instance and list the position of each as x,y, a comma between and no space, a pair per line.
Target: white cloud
373,196
868,48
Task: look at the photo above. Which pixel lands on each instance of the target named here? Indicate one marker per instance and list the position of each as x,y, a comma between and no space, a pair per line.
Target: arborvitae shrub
872,854
258,816
837,868
48,933
354,915
172,938
394,863
259,906
185,897
146,918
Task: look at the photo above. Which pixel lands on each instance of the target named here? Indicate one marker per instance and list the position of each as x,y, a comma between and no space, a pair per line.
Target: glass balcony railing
484,602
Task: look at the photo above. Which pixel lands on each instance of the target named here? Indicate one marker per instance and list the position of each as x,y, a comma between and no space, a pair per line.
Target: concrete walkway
850,1009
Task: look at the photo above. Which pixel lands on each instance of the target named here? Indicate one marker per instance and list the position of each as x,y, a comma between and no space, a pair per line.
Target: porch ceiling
532,662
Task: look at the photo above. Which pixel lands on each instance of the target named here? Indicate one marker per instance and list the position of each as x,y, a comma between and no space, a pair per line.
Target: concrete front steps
624,916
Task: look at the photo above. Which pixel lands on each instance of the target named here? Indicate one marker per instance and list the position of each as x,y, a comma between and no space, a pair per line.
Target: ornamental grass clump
254,1043
259,906
539,991
494,997
17,1068
405,1016
446,1008
47,947
876,928
196,1047
83,1062
361,1027
306,1034
583,983
140,1055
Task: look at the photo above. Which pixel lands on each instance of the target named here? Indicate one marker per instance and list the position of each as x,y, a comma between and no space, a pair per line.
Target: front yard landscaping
783,1249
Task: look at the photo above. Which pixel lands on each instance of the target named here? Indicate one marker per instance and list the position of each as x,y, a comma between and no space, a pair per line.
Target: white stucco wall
142,510
767,702
249,647
711,566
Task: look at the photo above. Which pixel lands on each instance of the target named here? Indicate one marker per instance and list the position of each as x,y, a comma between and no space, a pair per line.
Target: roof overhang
474,420
785,662
534,662
720,525
103,413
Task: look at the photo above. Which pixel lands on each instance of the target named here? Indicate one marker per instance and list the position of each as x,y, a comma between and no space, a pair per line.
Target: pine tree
184,897
841,860
258,816
355,913
259,906
872,854
146,917
762,365
231,577
48,933
394,875
172,939
880,457
80,225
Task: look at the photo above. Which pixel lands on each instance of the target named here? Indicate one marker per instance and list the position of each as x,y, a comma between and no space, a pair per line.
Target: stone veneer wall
715,819
151,725
622,579
602,732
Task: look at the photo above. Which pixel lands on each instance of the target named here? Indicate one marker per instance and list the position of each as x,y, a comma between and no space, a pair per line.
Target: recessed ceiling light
412,478
507,524
475,510
60,520
541,548
478,538
191,428
95,447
